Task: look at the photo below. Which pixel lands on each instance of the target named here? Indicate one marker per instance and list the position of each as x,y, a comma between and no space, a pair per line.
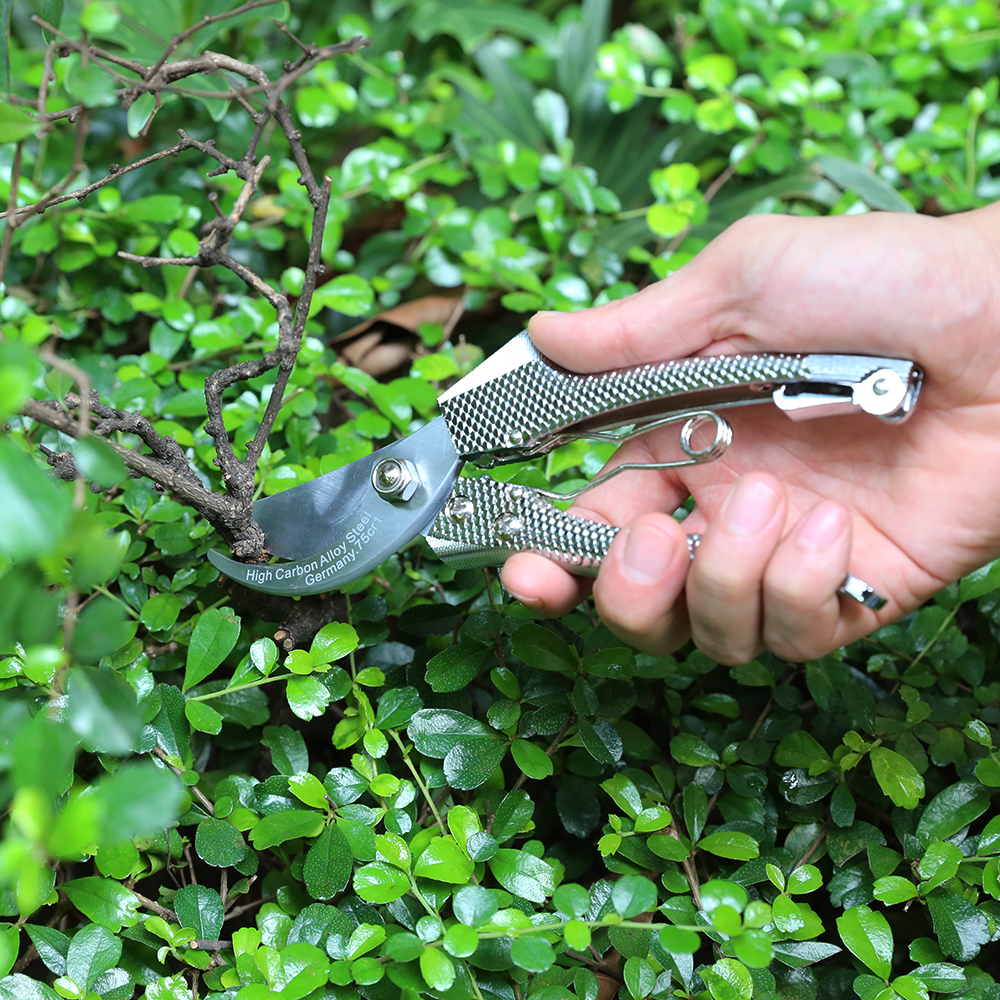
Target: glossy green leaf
868,936
212,639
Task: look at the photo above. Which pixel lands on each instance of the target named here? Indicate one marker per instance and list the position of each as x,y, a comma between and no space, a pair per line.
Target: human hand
792,506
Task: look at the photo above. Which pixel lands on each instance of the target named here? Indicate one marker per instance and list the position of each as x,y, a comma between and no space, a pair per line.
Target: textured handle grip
484,522
519,404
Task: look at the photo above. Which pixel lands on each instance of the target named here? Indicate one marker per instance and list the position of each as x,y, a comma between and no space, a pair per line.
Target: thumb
673,318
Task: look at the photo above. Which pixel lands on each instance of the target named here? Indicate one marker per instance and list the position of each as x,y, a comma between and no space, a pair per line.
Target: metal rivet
459,508
506,526
880,388
515,439
395,479
518,492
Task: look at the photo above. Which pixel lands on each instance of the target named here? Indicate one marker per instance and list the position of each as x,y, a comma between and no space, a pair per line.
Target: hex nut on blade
395,479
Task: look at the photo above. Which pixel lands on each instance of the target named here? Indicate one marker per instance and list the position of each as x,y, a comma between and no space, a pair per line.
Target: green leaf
754,949
601,740
103,710
288,824
15,125
894,889
308,788
212,640
473,905
679,941
396,707
899,779
523,874
460,941
219,843
688,749
104,901
951,809
328,864
379,882
632,895
455,668
437,969
960,928
797,954
871,188
869,938
333,642
542,649
445,861
200,908
288,749
730,844
531,759
92,951
203,717
20,987
939,863
979,582
347,293
307,697
532,953
728,980
806,878
941,977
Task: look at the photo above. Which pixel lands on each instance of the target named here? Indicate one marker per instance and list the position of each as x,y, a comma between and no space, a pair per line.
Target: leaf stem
241,687
424,790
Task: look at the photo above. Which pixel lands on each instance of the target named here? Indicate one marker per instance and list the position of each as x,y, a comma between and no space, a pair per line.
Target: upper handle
518,403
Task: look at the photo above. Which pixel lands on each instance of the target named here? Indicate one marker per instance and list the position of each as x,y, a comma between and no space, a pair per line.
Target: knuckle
713,639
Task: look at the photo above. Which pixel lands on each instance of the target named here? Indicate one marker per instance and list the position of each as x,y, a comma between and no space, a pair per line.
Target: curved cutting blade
337,528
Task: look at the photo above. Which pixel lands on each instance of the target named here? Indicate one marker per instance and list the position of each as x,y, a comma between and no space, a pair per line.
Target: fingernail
750,507
821,527
648,554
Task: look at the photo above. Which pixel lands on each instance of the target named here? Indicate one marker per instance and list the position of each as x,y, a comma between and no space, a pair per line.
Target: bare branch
181,38
114,172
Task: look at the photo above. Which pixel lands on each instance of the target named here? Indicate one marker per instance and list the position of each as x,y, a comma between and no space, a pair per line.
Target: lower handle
484,522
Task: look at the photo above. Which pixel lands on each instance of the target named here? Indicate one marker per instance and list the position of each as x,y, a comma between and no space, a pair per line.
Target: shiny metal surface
518,404
337,528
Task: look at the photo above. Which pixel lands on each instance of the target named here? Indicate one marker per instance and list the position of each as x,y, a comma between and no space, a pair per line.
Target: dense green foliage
440,795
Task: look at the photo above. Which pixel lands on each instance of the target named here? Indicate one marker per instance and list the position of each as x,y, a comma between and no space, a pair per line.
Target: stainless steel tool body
517,405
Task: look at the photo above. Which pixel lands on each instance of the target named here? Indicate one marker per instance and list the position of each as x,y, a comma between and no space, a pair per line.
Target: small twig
551,749
183,36
151,904
820,837
715,187
194,789
238,911
114,173
205,944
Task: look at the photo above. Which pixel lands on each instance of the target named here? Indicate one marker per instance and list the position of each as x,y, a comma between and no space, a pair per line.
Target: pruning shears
517,405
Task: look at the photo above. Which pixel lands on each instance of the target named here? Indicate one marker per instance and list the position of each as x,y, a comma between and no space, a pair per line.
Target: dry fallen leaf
389,340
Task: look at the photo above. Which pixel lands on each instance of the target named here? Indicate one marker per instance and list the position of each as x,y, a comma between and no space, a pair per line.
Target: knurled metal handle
517,403
484,522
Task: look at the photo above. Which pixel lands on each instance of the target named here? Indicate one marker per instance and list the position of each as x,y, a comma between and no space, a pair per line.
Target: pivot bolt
507,526
459,508
395,479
